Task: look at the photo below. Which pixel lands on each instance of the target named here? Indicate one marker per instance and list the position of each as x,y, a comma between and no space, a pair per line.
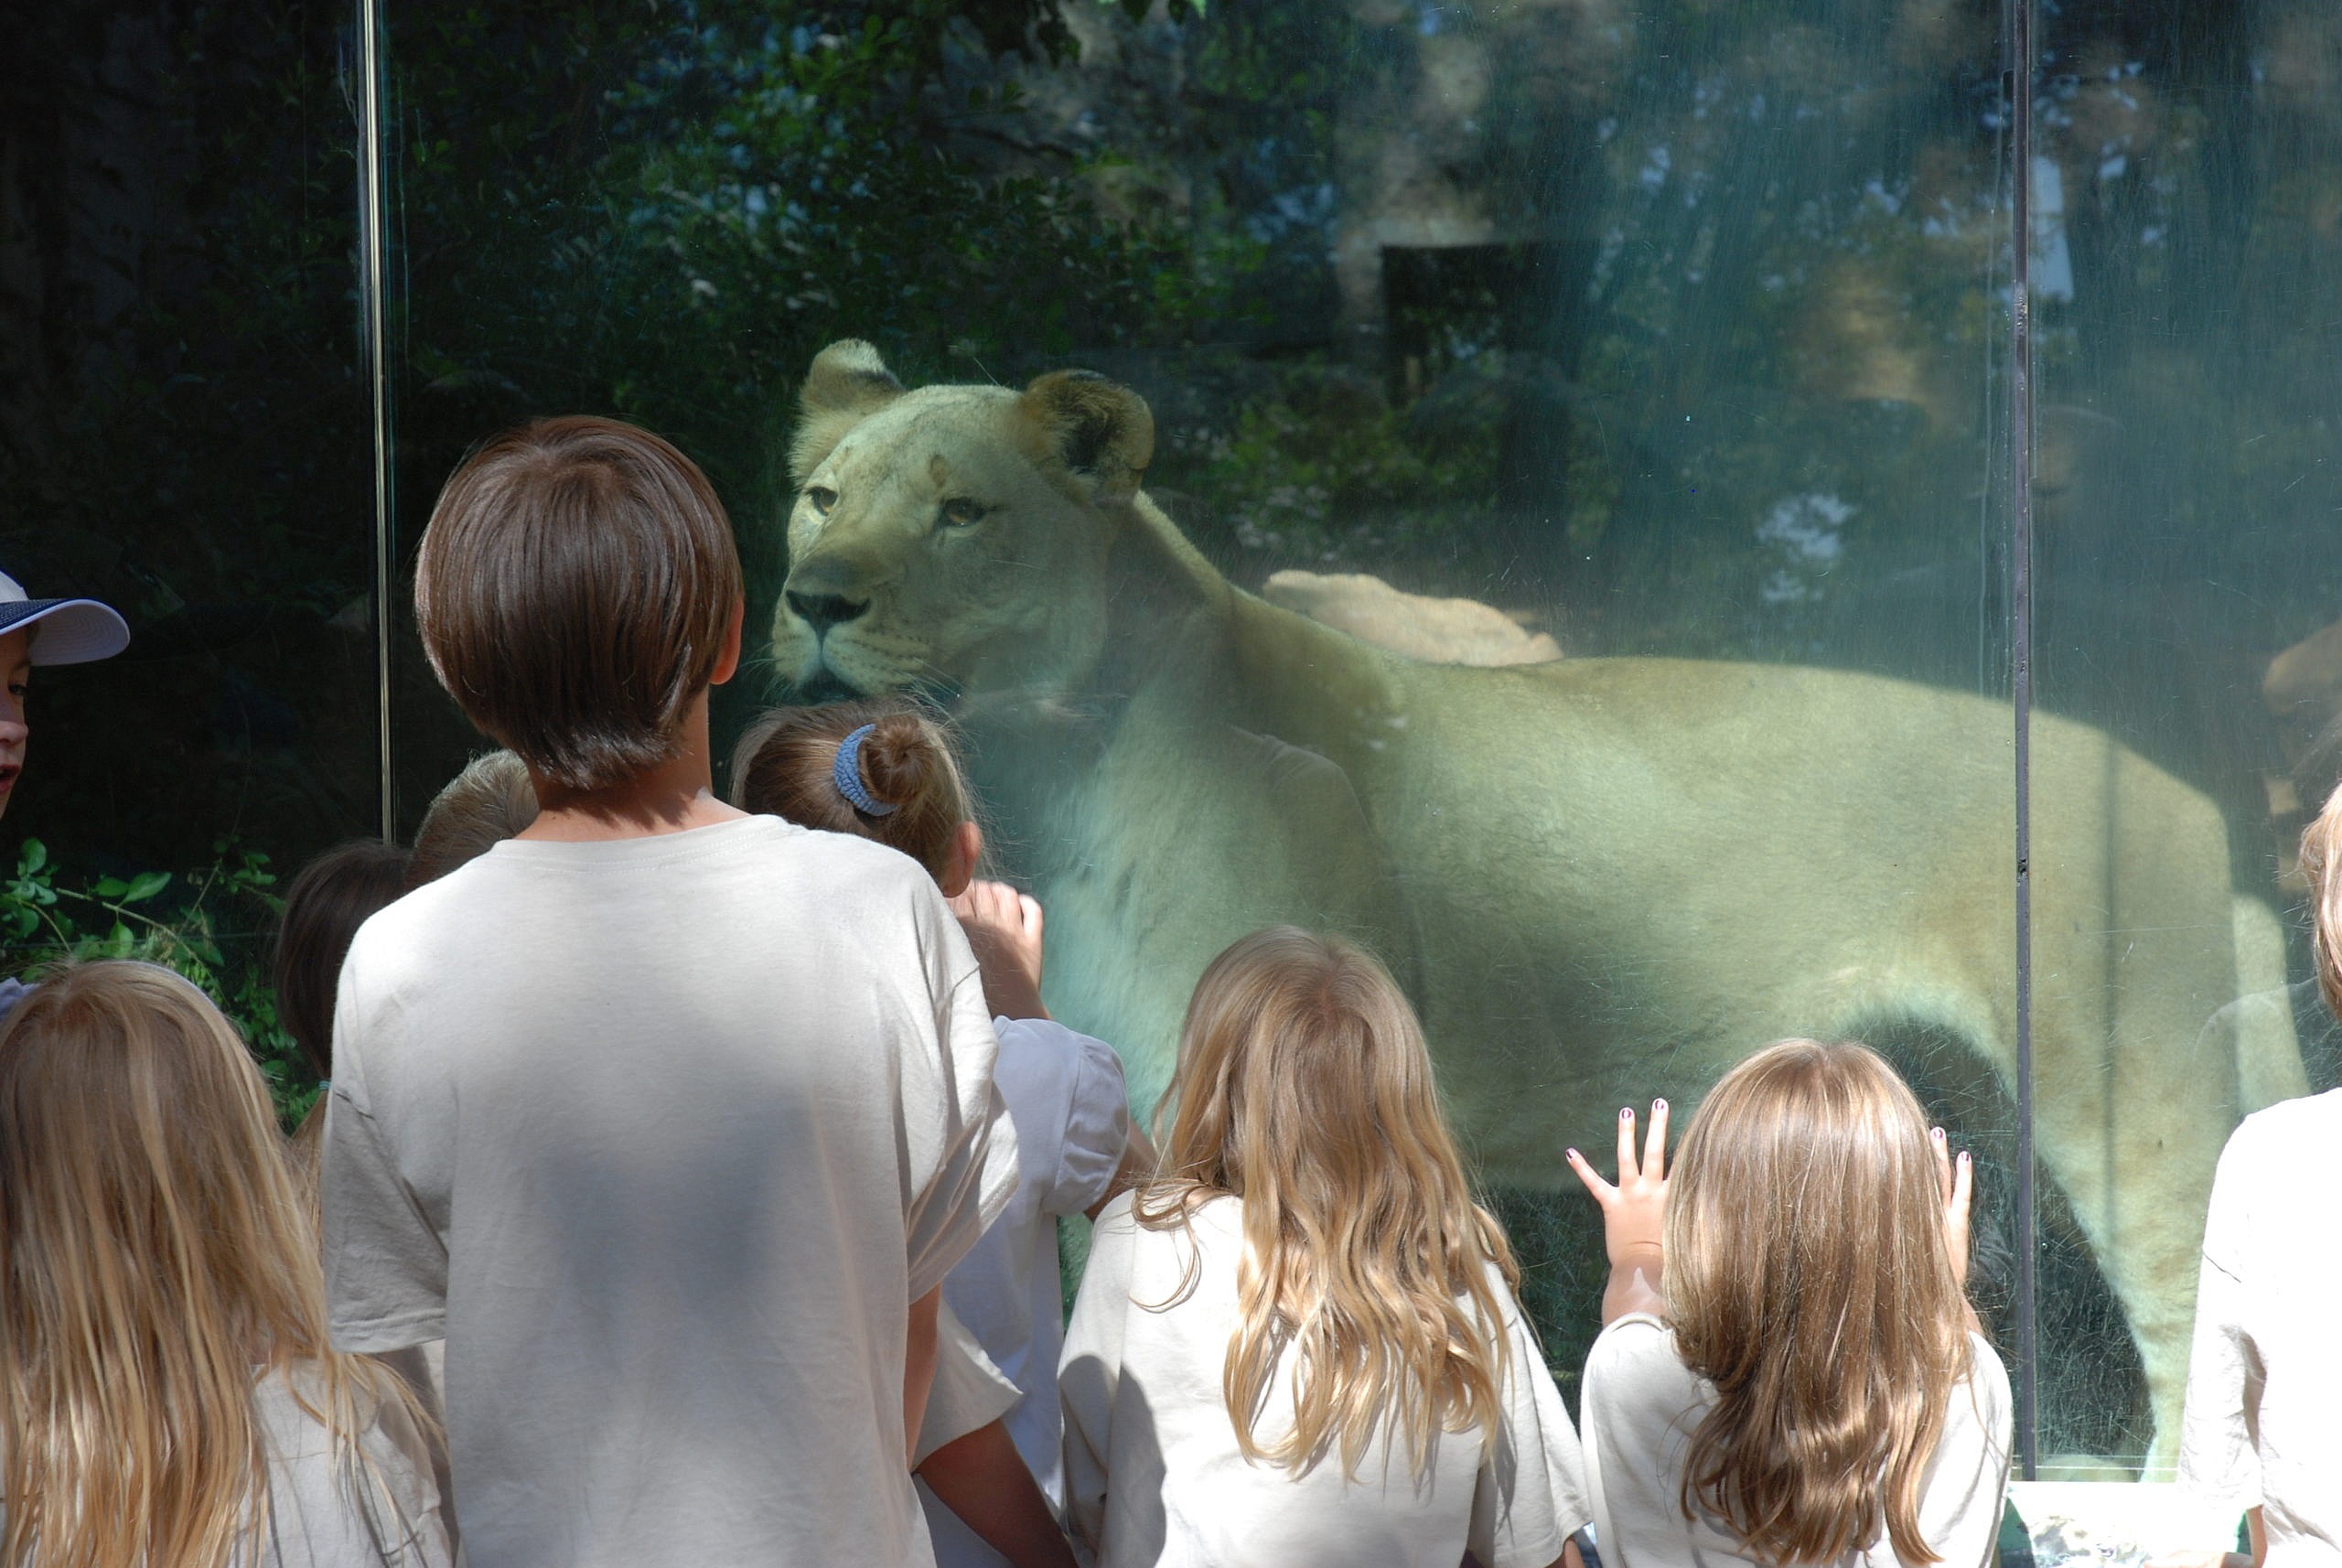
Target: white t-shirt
1154,1475
1641,1406
662,1135
968,1393
317,1519
2264,1386
385,1516
1064,1093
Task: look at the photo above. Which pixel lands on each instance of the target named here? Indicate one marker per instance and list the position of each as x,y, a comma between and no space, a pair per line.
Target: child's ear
967,853
727,663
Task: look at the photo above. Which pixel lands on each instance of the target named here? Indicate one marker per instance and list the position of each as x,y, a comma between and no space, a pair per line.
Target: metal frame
373,252
2020,92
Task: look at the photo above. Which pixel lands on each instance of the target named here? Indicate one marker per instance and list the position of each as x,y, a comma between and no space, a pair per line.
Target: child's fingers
1942,1148
1963,1187
1629,1164
1654,1145
1602,1190
1030,908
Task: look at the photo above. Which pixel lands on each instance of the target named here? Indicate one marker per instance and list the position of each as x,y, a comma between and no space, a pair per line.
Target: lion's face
948,539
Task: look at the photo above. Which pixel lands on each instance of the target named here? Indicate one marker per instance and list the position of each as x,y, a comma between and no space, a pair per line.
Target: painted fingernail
1963,1157
1659,1105
1572,1154
1627,1114
1937,1133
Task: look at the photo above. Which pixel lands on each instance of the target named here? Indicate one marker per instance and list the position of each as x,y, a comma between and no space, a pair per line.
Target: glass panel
183,436
1665,338
2187,173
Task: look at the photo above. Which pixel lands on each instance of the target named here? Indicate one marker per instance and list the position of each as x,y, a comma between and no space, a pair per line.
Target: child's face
15,671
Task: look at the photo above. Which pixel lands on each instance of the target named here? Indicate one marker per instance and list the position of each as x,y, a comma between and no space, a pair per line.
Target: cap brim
72,631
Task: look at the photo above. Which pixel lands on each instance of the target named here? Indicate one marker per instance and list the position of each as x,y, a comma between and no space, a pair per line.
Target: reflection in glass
1607,404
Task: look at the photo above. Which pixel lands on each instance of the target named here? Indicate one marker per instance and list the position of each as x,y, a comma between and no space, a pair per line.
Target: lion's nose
823,611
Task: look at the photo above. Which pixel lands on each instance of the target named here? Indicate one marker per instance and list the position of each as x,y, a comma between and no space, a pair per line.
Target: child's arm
1004,929
982,1477
918,1367
1958,1184
1634,1217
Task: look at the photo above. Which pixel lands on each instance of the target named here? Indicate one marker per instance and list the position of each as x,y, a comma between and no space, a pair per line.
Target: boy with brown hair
668,1119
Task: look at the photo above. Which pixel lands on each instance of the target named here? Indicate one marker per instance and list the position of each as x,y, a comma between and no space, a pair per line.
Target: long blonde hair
155,1260
2322,863
1303,1088
1808,1277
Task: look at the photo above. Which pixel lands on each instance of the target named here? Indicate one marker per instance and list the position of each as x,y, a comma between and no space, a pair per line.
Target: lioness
1600,878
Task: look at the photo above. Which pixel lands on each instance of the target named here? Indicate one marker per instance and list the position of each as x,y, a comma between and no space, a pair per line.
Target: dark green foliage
212,925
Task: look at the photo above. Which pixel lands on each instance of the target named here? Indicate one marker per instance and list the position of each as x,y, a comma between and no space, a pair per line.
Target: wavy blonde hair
1303,1088
1808,1277
2322,863
154,1260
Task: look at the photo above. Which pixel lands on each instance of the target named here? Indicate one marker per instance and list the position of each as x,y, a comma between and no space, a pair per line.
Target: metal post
373,249
2020,77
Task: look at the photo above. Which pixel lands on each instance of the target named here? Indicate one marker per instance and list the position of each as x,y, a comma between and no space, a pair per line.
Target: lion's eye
962,513
822,497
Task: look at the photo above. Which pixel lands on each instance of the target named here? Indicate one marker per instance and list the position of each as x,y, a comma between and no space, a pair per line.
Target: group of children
686,1183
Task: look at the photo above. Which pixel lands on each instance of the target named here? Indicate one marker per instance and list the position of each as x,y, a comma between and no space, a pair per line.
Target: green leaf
111,887
34,856
145,885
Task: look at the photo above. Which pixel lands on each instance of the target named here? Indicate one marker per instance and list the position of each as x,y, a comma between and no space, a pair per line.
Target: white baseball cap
78,630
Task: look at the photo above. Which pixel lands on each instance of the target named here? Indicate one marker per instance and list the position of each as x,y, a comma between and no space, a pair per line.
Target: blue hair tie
847,774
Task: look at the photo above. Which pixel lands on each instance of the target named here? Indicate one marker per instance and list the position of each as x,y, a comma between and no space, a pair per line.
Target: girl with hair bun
1299,1345
886,771
1789,1372
2264,1382
169,1396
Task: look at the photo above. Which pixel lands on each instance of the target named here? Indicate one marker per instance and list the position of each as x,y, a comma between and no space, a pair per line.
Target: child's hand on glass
1633,1215
1958,1181
1004,929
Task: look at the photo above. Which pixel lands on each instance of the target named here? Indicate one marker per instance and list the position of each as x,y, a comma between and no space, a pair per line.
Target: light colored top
2264,1386
968,1393
317,1519
664,1135
1154,1475
1641,1404
386,1515
1064,1093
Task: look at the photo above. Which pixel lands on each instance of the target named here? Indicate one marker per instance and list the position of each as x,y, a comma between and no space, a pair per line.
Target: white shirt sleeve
1089,1374
1961,1498
960,1144
1097,1127
2219,1460
969,1392
1529,1496
385,1264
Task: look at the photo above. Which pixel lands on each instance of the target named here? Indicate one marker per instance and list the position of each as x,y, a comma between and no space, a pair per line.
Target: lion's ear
848,383
1096,429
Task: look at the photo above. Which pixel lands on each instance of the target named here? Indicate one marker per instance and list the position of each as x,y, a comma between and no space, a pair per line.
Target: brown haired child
333,896
489,801
885,771
726,1114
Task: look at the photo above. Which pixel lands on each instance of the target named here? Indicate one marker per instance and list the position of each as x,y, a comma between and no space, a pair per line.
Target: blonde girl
1299,1344
167,1396
2262,1436
1790,1372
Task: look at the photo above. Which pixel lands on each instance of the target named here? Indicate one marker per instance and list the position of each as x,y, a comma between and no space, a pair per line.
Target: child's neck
676,795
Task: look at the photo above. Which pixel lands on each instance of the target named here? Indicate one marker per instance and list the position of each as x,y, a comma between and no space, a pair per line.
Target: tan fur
1601,878
1433,630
